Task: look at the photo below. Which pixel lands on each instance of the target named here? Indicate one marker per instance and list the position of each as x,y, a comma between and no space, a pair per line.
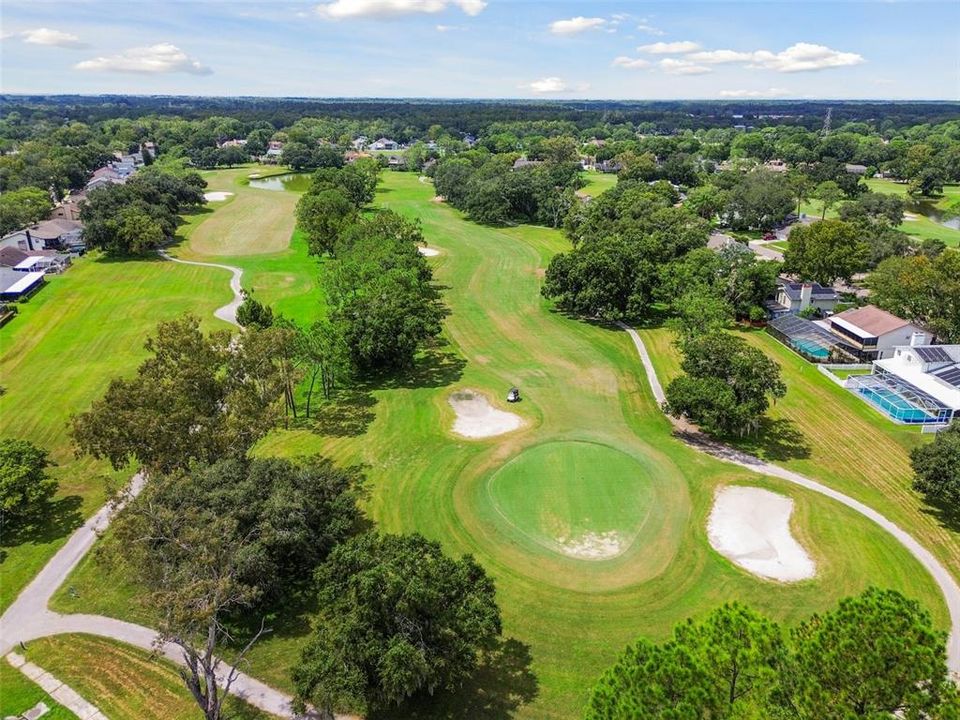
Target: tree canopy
936,466
398,617
24,483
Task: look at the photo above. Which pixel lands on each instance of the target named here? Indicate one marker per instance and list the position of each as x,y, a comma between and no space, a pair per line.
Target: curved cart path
698,441
227,313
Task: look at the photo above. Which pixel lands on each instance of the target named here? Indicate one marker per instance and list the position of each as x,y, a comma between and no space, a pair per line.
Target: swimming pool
811,348
895,406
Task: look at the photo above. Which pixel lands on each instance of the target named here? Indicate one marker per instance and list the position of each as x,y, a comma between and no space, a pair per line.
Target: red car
770,236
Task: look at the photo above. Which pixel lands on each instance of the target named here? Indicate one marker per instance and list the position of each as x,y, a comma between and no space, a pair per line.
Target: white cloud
576,25
446,28
804,57
650,29
670,48
672,66
768,93
630,63
152,60
57,38
718,57
345,9
554,84
547,85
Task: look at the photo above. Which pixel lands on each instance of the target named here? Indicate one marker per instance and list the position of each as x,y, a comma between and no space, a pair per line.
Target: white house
875,333
916,384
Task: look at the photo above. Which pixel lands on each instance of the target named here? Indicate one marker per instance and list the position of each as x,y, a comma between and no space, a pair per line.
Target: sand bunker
592,546
477,418
751,527
216,196
427,252
910,217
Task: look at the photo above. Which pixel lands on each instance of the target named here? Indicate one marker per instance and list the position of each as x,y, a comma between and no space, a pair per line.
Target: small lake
930,210
294,182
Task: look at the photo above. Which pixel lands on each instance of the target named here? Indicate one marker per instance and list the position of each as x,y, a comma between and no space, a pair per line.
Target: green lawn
844,374
18,694
583,386
597,182
58,355
124,682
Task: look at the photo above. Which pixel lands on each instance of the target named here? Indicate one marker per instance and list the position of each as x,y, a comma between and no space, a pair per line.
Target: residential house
397,162
794,297
359,143
46,263
778,166
235,142
69,207
384,144
856,169
522,162
874,333
609,166
55,234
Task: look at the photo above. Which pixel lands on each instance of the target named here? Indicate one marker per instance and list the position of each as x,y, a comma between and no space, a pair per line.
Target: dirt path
227,313
698,441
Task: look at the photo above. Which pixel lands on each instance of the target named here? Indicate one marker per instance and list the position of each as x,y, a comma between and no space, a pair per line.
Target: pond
929,209
294,182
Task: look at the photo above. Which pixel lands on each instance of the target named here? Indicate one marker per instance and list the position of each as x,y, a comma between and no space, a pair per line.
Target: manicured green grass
844,374
18,694
280,272
124,682
582,383
58,355
780,245
597,182
828,433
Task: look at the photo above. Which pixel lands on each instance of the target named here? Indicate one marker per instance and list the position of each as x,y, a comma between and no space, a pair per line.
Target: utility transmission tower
826,121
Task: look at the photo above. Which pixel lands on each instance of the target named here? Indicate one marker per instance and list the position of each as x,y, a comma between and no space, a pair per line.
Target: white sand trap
751,527
427,252
477,418
592,546
910,217
216,196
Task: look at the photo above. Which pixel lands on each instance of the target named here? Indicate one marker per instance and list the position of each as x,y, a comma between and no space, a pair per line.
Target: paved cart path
948,586
228,312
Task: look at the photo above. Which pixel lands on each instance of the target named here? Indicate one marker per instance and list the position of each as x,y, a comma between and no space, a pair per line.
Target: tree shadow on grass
500,686
945,513
54,520
776,440
433,369
349,414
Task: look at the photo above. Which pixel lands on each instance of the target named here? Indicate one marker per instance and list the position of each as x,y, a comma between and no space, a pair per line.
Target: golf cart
514,395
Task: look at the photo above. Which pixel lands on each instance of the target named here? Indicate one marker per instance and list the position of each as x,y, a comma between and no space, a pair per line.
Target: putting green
586,507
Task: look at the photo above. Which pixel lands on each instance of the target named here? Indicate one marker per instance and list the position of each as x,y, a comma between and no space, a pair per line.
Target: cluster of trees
635,254
22,207
877,655
727,385
490,190
142,214
924,288
334,201
936,466
25,487
218,542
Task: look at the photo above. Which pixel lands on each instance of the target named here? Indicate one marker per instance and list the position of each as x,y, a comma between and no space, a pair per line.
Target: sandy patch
910,217
254,176
427,252
438,198
477,418
216,196
751,527
592,546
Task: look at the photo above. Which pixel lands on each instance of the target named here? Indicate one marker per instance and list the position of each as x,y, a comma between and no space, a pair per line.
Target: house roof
12,281
871,319
50,229
818,292
10,256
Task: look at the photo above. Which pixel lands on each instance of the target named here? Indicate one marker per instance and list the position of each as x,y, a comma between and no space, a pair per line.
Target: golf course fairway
594,465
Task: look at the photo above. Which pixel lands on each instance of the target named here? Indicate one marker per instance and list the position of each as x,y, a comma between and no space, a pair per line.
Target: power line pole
826,121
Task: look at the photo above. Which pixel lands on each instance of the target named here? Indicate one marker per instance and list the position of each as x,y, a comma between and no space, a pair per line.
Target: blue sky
484,49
